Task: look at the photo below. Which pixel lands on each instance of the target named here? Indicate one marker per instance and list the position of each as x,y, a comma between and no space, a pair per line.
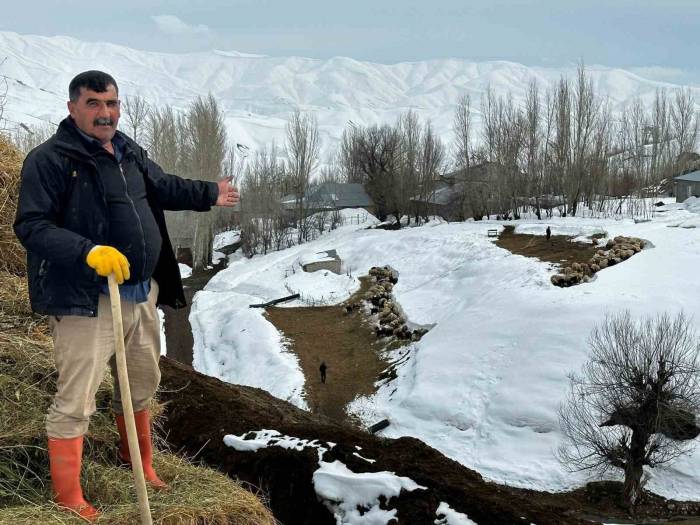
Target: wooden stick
132,438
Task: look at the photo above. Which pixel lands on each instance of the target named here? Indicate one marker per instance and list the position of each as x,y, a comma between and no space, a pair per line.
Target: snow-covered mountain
258,93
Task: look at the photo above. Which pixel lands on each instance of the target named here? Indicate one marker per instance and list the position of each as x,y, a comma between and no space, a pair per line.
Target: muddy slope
201,410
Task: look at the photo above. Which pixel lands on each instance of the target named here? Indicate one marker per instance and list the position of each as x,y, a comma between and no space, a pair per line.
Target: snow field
485,384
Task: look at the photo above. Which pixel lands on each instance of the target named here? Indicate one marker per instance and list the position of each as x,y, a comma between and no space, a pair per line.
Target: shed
328,260
687,185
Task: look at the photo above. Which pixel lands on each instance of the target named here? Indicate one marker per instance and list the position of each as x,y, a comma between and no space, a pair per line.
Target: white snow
269,438
185,271
314,258
364,458
447,516
237,344
559,228
484,385
163,344
321,286
226,238
343,491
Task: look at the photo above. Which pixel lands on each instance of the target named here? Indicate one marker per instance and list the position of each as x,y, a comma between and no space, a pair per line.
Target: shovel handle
132,438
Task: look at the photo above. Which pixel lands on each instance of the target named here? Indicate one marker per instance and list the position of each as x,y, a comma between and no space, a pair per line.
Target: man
323,369
91,203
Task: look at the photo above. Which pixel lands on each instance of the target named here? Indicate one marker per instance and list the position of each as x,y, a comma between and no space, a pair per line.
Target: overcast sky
624,33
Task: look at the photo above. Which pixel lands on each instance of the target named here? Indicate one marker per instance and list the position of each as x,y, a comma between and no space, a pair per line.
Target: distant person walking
323,369
549,232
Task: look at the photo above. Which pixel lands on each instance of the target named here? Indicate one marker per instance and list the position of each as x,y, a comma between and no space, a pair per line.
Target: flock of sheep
616,250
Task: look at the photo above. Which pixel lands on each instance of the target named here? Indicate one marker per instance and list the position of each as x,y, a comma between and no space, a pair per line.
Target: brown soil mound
201,410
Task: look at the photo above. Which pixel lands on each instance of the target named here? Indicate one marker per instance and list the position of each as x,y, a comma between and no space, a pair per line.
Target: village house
687,185
463,193
331,196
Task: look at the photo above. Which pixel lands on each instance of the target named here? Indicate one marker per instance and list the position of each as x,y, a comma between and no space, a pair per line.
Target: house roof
333,195
693,176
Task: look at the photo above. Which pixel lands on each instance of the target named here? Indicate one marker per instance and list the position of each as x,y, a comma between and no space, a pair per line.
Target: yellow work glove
105,260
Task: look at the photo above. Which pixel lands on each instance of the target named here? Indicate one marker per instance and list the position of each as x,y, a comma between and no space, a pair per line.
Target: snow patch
185,271
447,516
345,492
226,238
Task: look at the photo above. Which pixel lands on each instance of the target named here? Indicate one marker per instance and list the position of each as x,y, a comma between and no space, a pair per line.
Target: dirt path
178,332
347,345
559,249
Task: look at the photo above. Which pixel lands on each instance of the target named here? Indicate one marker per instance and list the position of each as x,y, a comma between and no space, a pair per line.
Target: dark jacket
62,213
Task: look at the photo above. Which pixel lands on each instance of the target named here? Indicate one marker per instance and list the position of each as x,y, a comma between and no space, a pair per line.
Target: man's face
96,114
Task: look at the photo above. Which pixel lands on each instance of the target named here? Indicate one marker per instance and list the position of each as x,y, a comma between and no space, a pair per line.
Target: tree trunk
632,490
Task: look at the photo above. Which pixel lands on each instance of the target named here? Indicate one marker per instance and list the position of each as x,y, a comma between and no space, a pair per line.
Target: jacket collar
82,147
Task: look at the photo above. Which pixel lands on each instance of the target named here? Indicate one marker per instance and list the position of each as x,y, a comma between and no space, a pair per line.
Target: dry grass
27,382
13,255
197,496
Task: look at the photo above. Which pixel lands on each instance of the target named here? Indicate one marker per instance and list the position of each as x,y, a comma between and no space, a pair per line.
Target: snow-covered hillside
258,93
484,385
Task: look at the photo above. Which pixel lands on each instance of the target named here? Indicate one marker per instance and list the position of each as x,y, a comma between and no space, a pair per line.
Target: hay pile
13,255
27,383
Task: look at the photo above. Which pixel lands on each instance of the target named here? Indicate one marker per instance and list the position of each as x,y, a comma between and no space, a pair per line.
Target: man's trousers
84,346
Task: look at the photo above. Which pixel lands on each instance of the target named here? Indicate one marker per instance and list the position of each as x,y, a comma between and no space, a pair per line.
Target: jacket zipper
138,219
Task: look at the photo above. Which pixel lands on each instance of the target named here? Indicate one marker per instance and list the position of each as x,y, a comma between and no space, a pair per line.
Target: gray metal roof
349,195
693,176
333,195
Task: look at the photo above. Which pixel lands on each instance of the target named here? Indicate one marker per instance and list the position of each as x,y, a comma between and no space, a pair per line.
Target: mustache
103,122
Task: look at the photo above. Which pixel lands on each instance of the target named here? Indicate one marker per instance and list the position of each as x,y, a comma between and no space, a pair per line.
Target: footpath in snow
484,385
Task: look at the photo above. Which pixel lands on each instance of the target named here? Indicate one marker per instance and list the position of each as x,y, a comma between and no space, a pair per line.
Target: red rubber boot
65,457
143,433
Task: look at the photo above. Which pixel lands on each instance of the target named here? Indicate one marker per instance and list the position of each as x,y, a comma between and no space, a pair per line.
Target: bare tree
136,111
206,149
431,161
377,156
533,143
163,132
26,138
462,130
462,152
686,125
331,172
264,223
406,182
303,146
635,402
584,119
560,160
348,156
